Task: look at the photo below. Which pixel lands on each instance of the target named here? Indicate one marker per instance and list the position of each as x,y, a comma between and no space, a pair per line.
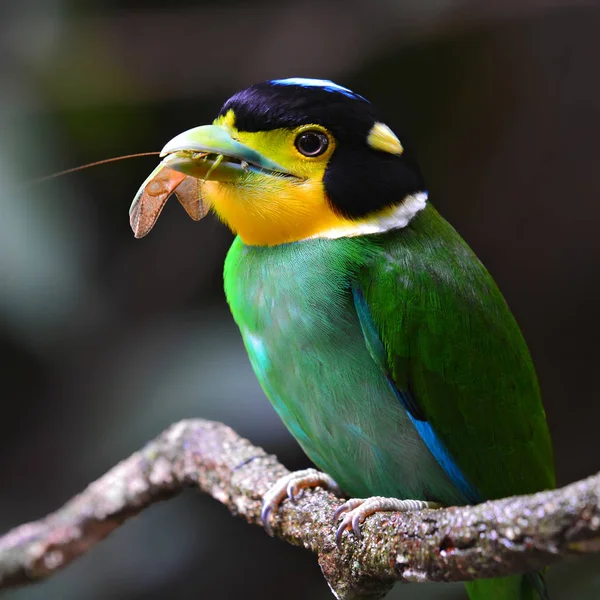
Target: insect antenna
87,166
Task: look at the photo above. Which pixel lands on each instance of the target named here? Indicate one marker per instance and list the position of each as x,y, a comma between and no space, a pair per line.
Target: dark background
106,340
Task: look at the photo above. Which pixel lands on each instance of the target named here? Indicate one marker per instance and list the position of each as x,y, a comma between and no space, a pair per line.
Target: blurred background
105,340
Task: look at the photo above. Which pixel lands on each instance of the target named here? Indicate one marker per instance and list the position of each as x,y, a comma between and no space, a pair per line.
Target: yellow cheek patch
382,138
279,146
266,209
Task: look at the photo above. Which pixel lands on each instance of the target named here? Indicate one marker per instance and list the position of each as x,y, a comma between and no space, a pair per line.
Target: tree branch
496,538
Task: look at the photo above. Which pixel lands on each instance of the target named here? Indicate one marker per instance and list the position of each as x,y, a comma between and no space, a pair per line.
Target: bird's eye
312,143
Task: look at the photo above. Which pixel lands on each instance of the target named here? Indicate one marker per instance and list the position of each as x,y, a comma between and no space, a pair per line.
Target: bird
379,337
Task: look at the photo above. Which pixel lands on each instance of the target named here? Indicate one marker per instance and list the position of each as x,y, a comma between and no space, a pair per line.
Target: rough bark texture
496,538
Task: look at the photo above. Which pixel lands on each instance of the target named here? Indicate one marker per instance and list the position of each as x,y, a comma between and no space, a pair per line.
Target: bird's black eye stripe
311,143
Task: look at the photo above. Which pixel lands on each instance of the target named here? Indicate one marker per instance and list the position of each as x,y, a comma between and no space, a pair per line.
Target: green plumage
446,337
451,339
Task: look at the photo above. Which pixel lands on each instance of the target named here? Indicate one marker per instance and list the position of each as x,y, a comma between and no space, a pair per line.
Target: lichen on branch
497,538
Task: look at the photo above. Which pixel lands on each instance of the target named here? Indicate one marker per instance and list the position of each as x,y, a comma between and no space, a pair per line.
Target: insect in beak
154,193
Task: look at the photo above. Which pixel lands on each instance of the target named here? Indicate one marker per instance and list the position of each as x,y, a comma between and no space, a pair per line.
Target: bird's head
292,159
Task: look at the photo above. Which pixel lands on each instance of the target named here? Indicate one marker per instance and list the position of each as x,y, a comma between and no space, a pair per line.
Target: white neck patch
399,217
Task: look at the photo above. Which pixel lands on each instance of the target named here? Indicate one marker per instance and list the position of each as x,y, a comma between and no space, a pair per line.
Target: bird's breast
295,310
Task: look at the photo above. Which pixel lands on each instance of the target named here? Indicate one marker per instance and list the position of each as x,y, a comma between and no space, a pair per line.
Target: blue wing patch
324,84
409,403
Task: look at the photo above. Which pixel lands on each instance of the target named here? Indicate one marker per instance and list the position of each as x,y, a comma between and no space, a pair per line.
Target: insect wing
188,194
152,197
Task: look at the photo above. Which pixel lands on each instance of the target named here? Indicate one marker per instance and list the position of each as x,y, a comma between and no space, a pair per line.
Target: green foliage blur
106,340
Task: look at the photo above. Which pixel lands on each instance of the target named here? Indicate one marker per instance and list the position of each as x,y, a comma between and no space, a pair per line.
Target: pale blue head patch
324,84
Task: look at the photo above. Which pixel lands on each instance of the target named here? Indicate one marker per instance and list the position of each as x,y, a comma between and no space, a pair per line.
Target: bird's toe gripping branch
290,486
358,509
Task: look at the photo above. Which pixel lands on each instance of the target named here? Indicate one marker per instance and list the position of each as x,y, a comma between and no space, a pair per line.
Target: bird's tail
518,587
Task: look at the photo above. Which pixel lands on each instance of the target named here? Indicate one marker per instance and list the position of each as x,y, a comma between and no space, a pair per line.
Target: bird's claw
358,509
350,520
291,486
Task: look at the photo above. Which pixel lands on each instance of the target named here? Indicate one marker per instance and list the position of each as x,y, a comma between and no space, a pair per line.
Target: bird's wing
442,333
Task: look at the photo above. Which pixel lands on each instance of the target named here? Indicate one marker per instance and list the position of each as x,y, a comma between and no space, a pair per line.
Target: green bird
381,340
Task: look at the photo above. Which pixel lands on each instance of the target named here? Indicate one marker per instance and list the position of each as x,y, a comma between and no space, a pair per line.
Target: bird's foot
358,509
291,486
